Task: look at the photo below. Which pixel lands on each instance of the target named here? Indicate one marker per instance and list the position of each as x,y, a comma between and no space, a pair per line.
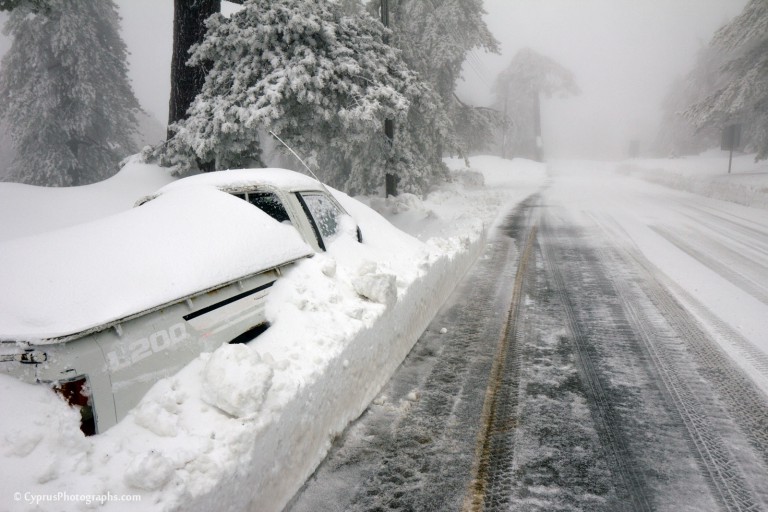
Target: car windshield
325,213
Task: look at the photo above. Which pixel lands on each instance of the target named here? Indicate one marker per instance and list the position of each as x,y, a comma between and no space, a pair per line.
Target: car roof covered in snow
86,276
237,178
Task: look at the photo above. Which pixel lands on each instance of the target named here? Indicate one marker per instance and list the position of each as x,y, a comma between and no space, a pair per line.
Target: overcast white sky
624,53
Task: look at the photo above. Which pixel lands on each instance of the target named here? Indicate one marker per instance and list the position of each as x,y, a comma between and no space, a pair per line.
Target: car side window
323,212
270,204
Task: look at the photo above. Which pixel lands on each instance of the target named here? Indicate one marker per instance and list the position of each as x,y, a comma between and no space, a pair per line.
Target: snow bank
236,381
28,209
707,174
243,427
479,195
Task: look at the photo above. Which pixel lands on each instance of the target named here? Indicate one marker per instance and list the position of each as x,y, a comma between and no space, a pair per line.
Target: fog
624,55
148,32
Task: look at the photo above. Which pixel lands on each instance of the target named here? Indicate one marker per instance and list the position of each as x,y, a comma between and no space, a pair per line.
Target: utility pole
390,180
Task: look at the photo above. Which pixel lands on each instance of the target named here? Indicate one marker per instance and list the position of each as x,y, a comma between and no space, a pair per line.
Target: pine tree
476,127
322,80
518,89
437,37
743,96
65,94
35,6
188,30
677,135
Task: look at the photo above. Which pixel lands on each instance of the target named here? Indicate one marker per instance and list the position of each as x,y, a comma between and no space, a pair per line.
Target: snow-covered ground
245,425
28,209
707,175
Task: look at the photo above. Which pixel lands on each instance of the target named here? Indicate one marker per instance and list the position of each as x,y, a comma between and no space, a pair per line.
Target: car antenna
298,157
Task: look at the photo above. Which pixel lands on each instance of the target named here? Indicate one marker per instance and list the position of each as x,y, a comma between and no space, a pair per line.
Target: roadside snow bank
478,195
707,175
243,427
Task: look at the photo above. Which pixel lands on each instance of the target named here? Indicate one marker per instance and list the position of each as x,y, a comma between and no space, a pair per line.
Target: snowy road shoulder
707,175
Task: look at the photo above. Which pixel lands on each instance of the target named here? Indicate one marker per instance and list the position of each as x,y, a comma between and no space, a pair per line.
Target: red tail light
77,393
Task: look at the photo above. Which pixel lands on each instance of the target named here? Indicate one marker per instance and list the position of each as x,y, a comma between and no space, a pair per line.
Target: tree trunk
188,29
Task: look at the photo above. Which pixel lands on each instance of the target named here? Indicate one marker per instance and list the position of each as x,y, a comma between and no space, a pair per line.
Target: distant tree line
729,85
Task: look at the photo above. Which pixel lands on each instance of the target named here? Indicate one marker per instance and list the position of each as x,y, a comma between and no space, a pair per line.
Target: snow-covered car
103,310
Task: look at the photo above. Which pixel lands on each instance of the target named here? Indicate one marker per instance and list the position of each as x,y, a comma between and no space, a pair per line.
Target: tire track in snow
740,281
750,235
490,486
747,406
631,487
413,448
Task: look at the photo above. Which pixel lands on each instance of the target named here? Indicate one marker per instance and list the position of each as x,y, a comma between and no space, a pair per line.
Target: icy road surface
607,352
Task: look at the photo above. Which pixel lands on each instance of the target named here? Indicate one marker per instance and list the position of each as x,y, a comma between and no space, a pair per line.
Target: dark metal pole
730,159
385,15
390,180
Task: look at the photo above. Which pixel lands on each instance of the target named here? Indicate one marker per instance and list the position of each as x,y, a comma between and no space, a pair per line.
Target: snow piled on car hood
181,243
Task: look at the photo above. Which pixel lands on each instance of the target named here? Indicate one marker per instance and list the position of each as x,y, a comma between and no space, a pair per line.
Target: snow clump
161,414
236,380
149,471
374,285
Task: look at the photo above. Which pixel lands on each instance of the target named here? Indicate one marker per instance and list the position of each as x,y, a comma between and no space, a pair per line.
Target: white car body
103,341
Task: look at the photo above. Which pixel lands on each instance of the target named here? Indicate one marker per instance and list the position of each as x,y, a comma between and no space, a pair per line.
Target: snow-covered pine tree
437,37
743,96
350,6
65,94
677,135
34,5
517,91
321,79
476,127
188,30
